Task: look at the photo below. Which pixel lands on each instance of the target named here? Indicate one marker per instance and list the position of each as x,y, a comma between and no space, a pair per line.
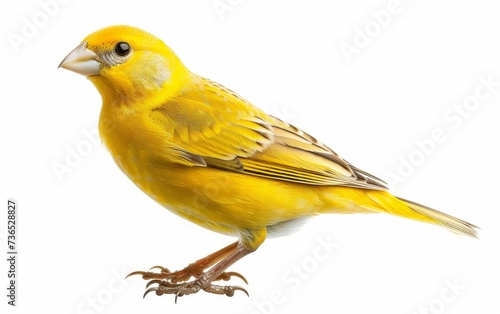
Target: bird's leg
230,255
192,270
176,282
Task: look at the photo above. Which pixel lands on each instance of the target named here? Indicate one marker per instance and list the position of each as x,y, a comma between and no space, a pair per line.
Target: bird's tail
387,203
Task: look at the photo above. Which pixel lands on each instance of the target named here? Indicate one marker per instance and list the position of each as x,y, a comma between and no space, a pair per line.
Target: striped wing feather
229,133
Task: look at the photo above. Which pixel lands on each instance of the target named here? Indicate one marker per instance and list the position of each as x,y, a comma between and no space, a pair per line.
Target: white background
78,234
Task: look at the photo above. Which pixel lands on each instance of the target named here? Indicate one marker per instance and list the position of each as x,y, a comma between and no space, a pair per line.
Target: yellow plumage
210,156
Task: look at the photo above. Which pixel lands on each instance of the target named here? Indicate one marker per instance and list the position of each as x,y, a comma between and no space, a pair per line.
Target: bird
210,156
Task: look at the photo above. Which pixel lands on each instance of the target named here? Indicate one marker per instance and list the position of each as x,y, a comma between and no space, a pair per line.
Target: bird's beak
82,61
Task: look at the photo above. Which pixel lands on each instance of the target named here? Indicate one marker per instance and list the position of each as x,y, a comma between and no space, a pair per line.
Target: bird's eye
122,49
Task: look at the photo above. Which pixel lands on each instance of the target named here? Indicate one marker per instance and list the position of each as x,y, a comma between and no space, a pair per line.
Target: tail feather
390,204
451,223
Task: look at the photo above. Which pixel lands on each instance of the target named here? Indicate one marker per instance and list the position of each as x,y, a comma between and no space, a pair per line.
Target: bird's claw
185,288
227,275
163,270
176,282
181,275
147,275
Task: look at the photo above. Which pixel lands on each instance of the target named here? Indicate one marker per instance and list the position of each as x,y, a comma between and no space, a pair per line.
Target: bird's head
127,64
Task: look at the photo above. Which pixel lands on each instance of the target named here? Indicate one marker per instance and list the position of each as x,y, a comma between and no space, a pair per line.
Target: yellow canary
209,156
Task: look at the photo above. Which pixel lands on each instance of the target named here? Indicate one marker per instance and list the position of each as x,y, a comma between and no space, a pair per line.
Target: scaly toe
147,275
226,290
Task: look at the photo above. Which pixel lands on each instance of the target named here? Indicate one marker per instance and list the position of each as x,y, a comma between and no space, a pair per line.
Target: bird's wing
226,132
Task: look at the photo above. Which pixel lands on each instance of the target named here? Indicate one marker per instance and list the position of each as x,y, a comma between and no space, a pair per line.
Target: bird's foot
178,284
190,287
